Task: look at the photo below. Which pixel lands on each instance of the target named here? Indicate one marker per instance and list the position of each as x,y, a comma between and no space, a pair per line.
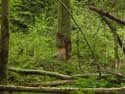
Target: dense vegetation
95,46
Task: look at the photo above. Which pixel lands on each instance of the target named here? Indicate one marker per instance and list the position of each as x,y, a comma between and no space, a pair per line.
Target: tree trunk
4,44
117,63
64,32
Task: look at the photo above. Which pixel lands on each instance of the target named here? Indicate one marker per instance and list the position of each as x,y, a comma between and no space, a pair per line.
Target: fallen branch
87,75
61,90
40,72
106,14
49,83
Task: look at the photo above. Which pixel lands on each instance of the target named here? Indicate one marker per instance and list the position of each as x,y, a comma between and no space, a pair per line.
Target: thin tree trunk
64,32
4,44
116,41
117,63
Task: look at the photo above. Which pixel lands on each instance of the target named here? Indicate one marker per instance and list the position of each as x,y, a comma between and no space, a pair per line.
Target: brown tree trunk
4,44
64,32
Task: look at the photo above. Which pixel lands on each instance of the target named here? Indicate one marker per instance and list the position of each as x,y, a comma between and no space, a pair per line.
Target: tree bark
4,44
61,90
106,14
63,36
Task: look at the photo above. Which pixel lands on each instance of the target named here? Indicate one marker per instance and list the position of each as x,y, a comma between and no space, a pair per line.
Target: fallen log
60,90
40,72
54,74
106,14
49,83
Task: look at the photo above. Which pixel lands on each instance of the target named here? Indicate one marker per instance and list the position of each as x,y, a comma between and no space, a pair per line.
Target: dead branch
40,72
106,14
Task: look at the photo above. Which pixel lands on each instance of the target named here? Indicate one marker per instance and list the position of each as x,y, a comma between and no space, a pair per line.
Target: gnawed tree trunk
4,44
63,36
64,90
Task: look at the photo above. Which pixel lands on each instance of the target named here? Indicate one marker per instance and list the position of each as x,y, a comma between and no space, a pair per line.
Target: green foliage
35,48
96,83
23,13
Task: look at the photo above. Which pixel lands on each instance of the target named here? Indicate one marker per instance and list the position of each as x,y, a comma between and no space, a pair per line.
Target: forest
62,47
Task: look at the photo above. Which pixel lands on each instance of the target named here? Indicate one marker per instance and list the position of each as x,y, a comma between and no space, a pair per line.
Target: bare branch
106,14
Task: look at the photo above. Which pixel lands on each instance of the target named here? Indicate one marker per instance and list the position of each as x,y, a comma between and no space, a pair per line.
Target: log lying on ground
106,14
40,72
61,90
49,83
54,74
